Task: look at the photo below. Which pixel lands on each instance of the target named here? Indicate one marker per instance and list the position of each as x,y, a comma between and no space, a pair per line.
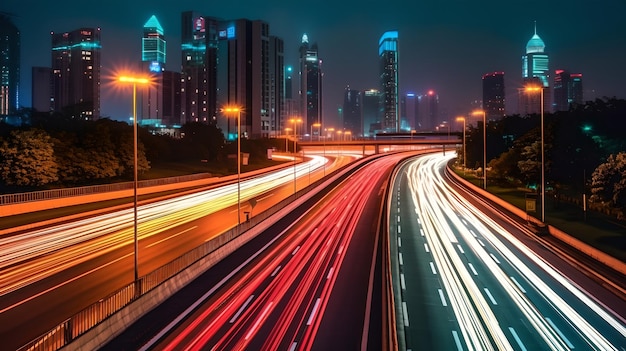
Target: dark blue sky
444,45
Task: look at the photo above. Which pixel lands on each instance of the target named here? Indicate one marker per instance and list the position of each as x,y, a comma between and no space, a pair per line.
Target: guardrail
10,199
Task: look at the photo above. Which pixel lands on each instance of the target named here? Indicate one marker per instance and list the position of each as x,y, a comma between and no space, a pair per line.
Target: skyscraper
76,73
388,56
153,53
535,65
371,112
352,112
277,85
493,95
310,83
199,68
428,111
408,111
244,76
9,66
568,89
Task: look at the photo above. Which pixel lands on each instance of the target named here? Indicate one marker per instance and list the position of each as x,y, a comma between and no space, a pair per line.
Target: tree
608,182
27,159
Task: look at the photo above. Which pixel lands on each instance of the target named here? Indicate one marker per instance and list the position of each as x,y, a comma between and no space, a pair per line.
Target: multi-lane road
467,277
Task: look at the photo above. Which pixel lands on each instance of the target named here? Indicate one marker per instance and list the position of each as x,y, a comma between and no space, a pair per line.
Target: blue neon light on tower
388,55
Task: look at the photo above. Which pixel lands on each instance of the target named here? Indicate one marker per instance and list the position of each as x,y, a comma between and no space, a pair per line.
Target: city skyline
444,47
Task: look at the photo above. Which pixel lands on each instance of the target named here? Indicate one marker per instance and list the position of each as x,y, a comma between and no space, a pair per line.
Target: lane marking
493,301
481,243
405,312
295,250
474,234
400,258
276,271
330,272
312,315
399,229
471,266
258,320
517,339
421,232
426,247
293,346
243,307
398,218
494,258
399,242
518,285
442,297
457,340
432,268
461,249
402,281
569,344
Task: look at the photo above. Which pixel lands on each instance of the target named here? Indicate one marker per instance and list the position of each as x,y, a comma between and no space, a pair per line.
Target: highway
309,286
467,277
50,273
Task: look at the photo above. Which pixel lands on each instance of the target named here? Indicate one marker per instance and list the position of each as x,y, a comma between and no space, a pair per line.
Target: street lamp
237,111
316,125
134,81
484,114
459,119
287,130
535,89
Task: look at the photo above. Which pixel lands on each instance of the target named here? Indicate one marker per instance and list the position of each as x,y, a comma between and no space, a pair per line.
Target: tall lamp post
539,89
484,114
134,81
462,119
287,130
295,138
237,111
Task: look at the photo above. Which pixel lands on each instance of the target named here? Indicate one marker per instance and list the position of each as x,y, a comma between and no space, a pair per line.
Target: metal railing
8,199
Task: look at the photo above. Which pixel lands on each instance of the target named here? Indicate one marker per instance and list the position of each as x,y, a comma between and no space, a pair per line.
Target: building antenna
535,27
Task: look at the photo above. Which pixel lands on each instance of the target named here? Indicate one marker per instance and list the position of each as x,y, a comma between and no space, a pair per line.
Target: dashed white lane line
457,340
400,258
243,307
518,285
460,249
493,301
402,281
494,258
399,242
569,344
426,247
442,297
471,266
405,312
517,339
432,268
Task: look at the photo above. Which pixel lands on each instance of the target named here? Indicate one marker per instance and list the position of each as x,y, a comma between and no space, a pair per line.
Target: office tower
244,76
291,102
277,85
76,73
535,64
171,93
493,95
371,112
42,89
428,111
9,66
388,56
199,68
568,89
408,112
310,83
153,53
352,112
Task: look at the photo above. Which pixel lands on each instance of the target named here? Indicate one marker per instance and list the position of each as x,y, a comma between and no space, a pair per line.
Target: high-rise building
310,83
535,66
9,66
76,73
493,95
371,112
153,54
291,103
408,112
428,111
352,112
277,85
568,89
199,68
388,56
244,76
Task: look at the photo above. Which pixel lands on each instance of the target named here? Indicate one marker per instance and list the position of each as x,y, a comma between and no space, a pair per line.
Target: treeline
55,150
578,146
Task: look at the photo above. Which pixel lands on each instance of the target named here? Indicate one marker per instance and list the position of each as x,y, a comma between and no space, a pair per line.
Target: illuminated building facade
277,85
310,84
291,103
9,66
494,95
153,53
76,73
428,111
199,68
352,112
371,112
388,56
568,89
535,70
408,112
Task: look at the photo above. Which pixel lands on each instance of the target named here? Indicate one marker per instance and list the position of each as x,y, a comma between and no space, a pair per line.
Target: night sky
444,45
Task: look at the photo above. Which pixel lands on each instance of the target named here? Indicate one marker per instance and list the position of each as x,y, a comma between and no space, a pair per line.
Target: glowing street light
135,81
483,113
316,125
287,130
237,111
539,89
295,138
